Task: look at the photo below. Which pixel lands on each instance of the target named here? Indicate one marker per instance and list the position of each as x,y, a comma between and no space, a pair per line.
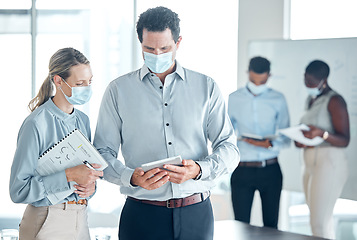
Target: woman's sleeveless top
318,115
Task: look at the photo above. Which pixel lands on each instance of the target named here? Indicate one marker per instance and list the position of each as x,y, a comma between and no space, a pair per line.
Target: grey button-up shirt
152,121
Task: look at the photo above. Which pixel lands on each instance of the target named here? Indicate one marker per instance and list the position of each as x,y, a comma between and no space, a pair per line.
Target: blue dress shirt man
256,110
160,111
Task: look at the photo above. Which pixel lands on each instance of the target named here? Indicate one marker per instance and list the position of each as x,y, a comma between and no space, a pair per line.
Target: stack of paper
295,133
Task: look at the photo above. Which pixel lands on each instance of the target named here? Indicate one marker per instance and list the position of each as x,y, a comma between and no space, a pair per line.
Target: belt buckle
168,204
264,163
82,202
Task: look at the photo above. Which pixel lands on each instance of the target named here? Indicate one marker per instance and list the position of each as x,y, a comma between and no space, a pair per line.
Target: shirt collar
179,71
51,106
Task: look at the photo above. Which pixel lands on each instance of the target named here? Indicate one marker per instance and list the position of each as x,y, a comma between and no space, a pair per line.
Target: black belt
259,163
176,202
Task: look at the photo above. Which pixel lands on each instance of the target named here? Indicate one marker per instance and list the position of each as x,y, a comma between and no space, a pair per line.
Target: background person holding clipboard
257,112
52,118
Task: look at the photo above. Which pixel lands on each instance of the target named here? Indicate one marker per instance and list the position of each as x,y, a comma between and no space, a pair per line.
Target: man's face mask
158,63
256,90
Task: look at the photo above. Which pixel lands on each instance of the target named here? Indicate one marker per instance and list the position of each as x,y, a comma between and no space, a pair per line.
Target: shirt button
165,104
170,143
160,87
167,124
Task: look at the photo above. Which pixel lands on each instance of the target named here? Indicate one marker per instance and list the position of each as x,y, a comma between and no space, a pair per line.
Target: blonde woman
52,118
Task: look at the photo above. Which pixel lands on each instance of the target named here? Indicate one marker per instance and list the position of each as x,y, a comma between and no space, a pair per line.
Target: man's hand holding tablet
155,174
152,175
160,163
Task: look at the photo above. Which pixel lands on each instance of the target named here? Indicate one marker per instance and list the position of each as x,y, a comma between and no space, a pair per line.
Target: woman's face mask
314,92
80,95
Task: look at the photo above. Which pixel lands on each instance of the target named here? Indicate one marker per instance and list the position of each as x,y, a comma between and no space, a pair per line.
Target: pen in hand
85,162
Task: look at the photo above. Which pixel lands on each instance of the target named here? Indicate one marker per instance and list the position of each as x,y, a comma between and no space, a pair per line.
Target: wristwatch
198,177
325,135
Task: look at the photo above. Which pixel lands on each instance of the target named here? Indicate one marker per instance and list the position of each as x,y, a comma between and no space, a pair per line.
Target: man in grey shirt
163,110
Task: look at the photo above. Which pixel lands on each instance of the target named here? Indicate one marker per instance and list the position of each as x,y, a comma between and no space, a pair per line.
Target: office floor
345,218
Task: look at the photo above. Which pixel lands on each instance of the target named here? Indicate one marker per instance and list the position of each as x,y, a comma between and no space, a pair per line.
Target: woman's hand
85,191
313,132
82,175
299,145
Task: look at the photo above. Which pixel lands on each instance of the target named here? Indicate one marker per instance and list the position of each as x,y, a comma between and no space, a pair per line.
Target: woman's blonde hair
60,64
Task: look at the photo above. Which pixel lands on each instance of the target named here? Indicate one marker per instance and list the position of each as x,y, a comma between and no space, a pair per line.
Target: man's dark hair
318,69
157,20
259,65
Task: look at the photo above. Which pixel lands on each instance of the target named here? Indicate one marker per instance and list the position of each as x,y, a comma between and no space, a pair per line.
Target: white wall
257,19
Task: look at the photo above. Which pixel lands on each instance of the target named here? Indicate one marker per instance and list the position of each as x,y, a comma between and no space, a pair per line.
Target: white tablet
160,163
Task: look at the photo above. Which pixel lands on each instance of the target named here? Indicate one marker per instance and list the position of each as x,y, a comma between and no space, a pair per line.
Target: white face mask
314,92
80,95
158,63
256,90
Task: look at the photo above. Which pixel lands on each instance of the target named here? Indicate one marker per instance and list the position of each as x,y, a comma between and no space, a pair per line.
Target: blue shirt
152,121
41,130
261,115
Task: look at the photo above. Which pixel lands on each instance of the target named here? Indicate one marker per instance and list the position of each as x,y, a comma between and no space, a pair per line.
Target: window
15,59
323,19
102,31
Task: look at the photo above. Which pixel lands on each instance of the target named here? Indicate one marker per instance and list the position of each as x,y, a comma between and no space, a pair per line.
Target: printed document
69,152
295,134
